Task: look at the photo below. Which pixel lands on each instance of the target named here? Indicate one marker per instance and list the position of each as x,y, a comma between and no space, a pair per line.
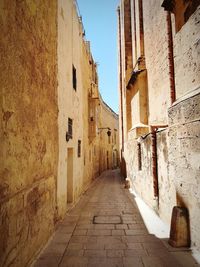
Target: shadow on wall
123,168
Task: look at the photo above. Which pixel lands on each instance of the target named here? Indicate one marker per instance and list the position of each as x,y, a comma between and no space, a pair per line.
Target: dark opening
70,126
79,148
74,77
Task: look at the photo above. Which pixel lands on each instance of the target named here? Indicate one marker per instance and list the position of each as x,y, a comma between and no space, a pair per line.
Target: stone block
179,231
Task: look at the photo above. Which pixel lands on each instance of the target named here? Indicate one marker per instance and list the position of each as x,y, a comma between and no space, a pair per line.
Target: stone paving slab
108,231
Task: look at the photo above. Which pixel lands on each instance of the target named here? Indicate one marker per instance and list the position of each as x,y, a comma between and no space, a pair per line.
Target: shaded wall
29,139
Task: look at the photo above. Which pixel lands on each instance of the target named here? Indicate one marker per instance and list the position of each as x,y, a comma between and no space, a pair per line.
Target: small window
74,77
70,128
79,148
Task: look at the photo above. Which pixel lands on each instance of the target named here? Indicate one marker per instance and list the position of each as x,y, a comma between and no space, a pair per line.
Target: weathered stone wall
75,104
177,145
90,135
70,102
108,144
156,55
87,146
29,146
40,43
184,155
187,55
142,180
167,196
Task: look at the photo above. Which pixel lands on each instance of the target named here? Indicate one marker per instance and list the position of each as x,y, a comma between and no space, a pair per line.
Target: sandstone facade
159,104
51,112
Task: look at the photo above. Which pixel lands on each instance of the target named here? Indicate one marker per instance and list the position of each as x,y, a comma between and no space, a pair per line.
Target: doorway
70,175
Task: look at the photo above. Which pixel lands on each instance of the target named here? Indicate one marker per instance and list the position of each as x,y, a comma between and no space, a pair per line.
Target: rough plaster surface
29,137
69,54
142,180
187,55
156,54
184,154
36,101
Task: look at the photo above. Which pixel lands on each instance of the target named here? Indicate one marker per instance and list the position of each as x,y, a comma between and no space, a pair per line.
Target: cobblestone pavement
105,229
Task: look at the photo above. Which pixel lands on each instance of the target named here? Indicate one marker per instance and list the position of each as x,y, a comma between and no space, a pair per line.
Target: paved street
105,229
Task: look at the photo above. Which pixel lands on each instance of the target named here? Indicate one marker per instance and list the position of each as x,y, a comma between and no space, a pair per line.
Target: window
74,77
79,148
70,128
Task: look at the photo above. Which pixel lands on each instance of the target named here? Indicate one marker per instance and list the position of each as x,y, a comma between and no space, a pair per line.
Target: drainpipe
171,58
154,162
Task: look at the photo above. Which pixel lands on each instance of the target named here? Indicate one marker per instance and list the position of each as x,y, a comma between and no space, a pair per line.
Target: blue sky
100,23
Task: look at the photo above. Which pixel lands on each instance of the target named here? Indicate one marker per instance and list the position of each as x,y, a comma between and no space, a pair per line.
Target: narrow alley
105,229
100,133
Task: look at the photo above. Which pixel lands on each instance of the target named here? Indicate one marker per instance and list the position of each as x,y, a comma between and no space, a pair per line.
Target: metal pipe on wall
154,163
171,58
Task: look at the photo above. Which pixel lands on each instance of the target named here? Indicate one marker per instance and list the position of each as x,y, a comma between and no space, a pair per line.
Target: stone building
159,85
52,136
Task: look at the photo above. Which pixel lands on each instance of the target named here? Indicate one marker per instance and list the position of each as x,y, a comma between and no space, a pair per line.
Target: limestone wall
184,155
42,172
156,55
187,55
142,180
167,196
81,104
70,102
109,146
178,142
29,137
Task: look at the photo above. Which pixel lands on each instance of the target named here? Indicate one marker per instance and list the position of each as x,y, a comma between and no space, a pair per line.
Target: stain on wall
29,127
184,154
